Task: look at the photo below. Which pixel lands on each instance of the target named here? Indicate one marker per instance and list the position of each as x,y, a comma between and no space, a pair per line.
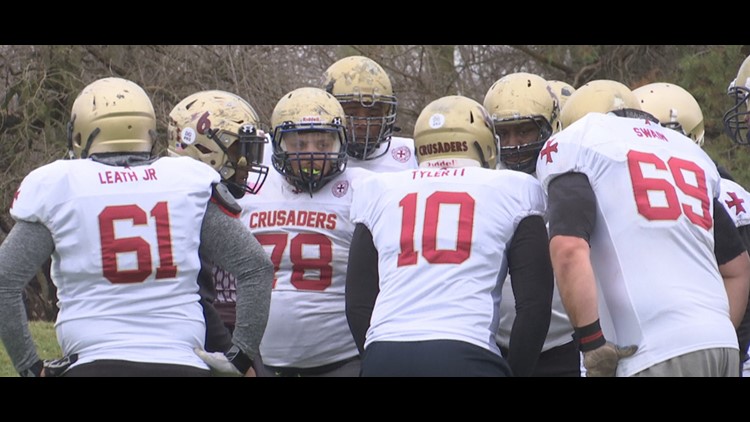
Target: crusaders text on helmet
111,115
309,138
364,90
222,130
675,108
524,103
455,131
600,96
736,122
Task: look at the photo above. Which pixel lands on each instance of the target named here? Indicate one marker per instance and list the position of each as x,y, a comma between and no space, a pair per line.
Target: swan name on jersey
644,132
278,218
422,174
110,177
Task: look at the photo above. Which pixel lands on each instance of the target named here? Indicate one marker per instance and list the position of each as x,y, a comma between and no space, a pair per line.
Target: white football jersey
653,247
736,200
308,241
400,156
442,237
126,255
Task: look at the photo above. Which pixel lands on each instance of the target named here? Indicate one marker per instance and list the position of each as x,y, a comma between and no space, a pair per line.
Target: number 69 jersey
307,239
126,259
442,237
652,248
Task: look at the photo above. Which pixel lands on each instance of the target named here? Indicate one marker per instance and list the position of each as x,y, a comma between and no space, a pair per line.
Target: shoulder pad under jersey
224,198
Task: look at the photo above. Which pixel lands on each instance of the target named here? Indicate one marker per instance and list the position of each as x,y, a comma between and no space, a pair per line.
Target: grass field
46,343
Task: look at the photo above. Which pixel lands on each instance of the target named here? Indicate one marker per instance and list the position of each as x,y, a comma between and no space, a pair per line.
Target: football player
126,232
301,217
620,189
525,111
431,250
222,130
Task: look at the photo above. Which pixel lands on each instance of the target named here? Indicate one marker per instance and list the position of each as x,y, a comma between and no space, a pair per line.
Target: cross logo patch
735,202
547,151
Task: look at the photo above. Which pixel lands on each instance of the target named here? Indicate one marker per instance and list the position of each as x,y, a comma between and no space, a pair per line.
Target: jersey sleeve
365,188
37,193
559,155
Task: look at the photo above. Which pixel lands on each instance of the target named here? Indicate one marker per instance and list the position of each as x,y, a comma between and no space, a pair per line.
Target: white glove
219,364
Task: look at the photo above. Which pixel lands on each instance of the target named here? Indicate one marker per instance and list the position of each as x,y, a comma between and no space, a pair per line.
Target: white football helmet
111,115
517,98
736,122
364,90
675,108
222,130
455,131
309,112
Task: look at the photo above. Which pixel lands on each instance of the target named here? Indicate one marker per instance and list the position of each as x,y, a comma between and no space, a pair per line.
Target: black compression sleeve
727,241
744,232
362,284
532,282
571,206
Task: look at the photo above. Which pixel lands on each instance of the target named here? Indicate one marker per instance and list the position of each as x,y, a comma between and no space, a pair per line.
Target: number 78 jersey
652,249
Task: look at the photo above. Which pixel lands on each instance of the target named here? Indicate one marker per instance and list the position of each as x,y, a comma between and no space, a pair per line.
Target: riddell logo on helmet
310,119
442,164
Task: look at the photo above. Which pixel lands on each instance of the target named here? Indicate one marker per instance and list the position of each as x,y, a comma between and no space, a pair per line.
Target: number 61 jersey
652,248
126,258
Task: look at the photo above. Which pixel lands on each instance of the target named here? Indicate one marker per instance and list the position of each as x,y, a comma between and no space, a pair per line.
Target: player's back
652,248
442,237
126,255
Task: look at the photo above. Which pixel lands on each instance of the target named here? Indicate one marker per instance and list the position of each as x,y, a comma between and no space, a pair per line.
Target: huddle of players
388,268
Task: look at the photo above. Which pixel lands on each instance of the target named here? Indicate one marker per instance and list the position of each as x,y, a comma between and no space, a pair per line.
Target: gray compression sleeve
23,252
230,245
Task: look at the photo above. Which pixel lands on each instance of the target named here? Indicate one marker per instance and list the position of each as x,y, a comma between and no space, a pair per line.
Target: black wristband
34,371
239,359
589,337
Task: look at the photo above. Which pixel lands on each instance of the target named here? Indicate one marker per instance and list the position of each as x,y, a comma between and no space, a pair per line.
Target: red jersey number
674,208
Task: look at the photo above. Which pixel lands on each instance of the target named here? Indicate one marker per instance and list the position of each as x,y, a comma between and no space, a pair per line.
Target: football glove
602,361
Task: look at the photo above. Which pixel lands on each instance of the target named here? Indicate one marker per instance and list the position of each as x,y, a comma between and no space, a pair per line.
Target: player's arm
218,336
230,244
532,281
362,284
571,209
24,251
734,263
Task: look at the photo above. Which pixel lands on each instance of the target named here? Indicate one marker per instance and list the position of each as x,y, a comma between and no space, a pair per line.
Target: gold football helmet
455,131
736,118
600,96
111,115
522,105
222,130
364,90
675,108
562,90
309,138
